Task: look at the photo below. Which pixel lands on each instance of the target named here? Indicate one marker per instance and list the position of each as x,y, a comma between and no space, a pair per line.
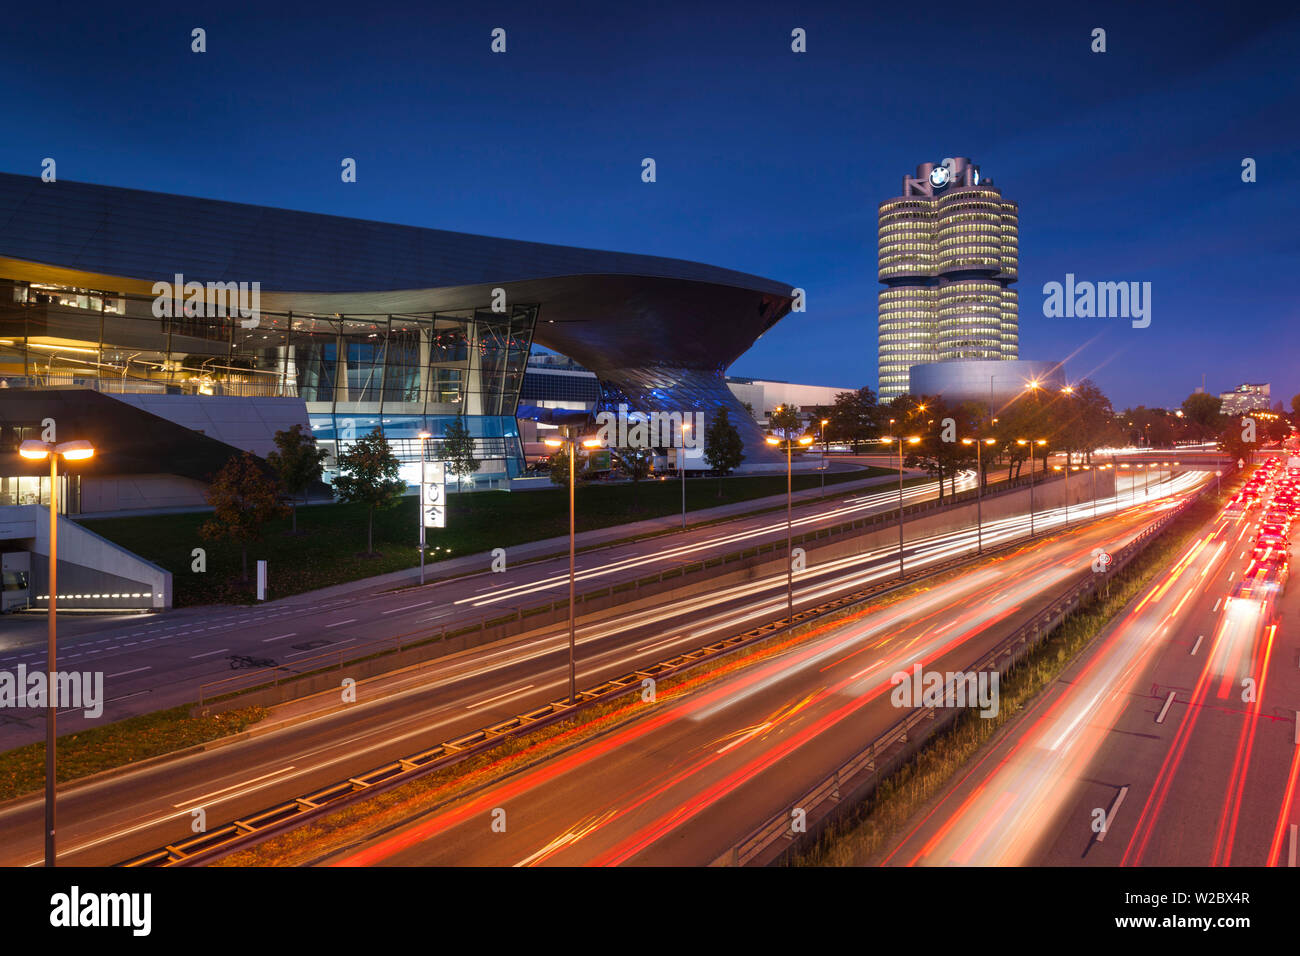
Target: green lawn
328,548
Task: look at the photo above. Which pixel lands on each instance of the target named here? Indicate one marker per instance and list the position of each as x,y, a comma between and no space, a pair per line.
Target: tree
458,450
723,448
1093,419
941,452
298,463
1203,415
853,418
368,473
243,498
785,420
1295,408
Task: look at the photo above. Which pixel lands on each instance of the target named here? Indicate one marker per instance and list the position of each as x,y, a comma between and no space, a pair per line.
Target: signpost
433,502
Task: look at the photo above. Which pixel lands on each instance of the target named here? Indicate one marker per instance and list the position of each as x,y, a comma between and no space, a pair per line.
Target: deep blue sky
1126,164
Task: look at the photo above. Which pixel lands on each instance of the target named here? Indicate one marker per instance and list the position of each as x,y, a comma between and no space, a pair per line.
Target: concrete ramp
94,573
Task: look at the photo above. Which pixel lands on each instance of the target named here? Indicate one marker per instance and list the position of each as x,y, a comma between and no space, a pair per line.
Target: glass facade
404,373
947,254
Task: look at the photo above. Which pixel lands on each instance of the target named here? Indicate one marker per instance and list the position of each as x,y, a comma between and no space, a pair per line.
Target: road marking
647,647
741,739
351,620
1297,728
1197,646
490,700
1165,709
124,673
1216,606
127,696
407,608
1232,575
233,786
268,640
1114,807
1290,853
209,654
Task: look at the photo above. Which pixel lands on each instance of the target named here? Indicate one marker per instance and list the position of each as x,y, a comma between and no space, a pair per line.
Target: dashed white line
1165,709
1119,798
407,608
341,623
236,786
1197,646
195,657
268,640
135,671
491,700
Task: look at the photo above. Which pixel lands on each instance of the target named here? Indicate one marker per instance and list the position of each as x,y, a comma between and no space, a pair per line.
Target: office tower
948,253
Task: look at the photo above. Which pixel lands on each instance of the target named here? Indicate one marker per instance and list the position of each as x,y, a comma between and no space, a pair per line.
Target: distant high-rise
949,251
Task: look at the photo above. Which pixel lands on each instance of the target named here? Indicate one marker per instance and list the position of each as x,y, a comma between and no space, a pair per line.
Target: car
1272,538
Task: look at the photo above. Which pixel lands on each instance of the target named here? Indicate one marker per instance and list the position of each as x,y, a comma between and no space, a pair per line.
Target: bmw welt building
171,330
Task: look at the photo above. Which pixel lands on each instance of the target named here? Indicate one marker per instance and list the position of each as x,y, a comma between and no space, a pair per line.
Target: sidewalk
553,547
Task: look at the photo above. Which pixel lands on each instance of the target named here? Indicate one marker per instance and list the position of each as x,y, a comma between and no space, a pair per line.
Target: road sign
433,495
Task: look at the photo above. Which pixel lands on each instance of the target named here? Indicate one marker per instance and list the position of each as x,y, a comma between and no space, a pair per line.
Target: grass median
124,742
327,549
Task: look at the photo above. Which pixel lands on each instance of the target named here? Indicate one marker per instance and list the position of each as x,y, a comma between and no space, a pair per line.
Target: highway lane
113,819
1150,735
160,660
699,770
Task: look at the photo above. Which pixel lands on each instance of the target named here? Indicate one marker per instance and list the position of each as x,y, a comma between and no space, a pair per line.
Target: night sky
1126,165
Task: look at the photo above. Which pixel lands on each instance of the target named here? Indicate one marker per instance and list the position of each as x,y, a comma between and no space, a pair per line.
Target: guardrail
509,621
851,781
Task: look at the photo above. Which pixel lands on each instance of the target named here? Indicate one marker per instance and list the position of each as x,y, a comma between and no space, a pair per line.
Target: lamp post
1031,443
979,489
571,444
789,539
686,426
424,438
34,450
825,450
911,441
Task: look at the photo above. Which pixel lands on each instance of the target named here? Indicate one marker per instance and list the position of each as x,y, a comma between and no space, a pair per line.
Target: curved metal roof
150,236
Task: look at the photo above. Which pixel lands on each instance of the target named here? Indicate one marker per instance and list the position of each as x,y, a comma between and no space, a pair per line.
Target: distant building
765,397
993,383
1246,398
948,253
556,382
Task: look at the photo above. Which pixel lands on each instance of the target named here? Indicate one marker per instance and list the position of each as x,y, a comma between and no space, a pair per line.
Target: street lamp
571,444
979,489
900,440
686,426
789,541
1031,443
424,438
34,450
825,422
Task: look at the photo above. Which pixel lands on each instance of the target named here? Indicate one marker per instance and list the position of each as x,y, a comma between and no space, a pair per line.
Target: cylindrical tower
948,250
